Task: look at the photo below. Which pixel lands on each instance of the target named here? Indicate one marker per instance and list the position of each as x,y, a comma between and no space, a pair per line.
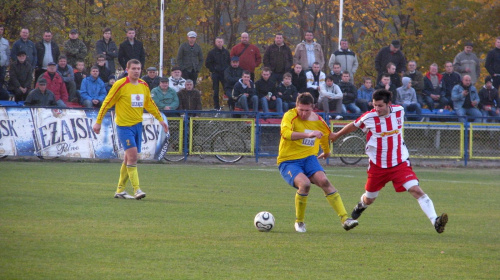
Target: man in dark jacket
217,62
299,79
450,80
244,93
152,78
231,76
266,92
278,58
392,54
189,98
104,71
385,83
489,101
107,47
20,77
130,49
434,90
47,51
492,63
26,45
350,93
41,96
190,58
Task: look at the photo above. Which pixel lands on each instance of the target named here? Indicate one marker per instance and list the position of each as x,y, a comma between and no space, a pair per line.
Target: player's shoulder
142,82
396,108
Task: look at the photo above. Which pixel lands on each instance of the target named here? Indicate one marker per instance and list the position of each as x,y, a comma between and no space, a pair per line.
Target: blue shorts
291,168
130,136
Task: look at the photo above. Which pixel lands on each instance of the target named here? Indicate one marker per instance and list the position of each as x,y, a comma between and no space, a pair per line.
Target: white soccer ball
264,221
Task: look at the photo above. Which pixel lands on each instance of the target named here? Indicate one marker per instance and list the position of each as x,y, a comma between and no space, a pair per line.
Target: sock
336,202
428,207
363,201
133,174
122,181
300,207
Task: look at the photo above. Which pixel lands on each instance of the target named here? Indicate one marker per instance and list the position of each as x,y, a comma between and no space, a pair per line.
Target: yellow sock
133,175
122,181
336,202
300,207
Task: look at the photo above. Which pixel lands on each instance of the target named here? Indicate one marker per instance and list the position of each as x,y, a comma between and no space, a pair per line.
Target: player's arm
345,130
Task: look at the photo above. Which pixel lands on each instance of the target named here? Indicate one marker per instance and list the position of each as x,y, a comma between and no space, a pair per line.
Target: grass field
60,221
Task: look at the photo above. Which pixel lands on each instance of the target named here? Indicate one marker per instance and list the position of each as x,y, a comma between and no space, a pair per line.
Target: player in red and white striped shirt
388,156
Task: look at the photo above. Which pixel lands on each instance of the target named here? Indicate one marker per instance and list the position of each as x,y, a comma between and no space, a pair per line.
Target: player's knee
416,191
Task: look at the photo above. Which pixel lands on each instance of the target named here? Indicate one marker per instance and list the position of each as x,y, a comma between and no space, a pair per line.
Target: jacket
278,58
311,83
288,93
366,93
300,55
218,60
75,50
449,81
167,99
429,88
249,59
189,99
299,81
458,98
262,87
417,80
128,51
190,58
92,89
489,97
21,75
384,56
239,89
57,86
29,47
111,51
492,62
332,92
349,91
40,51
67,74
470,60
4,52
231,77
347,59
152,83
176,85
104,73
406,95
392,89
37,98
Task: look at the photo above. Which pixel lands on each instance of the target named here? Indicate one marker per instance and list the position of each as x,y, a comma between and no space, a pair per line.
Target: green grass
59,221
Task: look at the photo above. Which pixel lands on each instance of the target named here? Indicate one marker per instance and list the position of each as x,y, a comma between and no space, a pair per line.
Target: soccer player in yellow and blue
302,132
130,96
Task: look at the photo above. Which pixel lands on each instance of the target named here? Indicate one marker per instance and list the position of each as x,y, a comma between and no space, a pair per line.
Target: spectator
190,58
391,53
41,96
152,78
287,92
21,77
336,72
466,99
26,45
434,91
189,98
346,58
315,78
330,96
249,55
266,92
467,63
107,47
111,82
4,63
46,51
350,94
385,83
395,78
93,90
407,97
450,80
244,93
299,79
164,96
365,93
308,52
79,73
104,71
417,79
130,49
56,84
489,102
278,58
232,75
74,48
68,76
492,63
176,82
218,60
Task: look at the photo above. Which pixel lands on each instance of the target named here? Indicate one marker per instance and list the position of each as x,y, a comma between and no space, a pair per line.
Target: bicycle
352,149
222,142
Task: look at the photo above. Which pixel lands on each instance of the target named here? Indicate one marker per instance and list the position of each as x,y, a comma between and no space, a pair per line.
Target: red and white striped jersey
384,139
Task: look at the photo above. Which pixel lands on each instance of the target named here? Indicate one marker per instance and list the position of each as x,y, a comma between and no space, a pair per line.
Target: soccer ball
264,221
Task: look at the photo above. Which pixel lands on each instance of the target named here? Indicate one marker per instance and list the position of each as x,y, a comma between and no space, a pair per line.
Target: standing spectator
489,102
492,63
218,60
315,78
336,72
391,53
307,52
330,96
232,75
244,93
417,78
41,96
434,91
104,71
26,45
189,98
249,55
467,63
164,96
56,84
131,49
278,58
395,78
287,92
176,81
21,77
346,58
466,99
365,92
47,51
450,80
74,48
190,58
4,63
80,73
299,79
68,76
385,83
266,92
93,90
107,47
152,78
407,97
350,95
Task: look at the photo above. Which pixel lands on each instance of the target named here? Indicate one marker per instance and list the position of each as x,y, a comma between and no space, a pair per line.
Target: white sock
428,207
363,201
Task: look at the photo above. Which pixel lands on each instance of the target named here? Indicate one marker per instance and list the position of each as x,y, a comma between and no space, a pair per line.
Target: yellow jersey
130,101
297,149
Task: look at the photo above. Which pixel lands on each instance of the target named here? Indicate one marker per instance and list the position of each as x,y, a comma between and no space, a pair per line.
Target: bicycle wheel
172,153
352,149
229,145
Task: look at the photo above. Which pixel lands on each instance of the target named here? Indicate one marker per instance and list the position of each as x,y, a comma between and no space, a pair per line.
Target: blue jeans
288,105
273,104
245,105
471,112
413,107
351,107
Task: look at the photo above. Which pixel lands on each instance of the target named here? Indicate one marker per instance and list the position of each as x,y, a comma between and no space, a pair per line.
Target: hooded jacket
406,95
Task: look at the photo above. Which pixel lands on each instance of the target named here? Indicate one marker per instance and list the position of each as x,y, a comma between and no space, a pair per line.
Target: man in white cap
190,58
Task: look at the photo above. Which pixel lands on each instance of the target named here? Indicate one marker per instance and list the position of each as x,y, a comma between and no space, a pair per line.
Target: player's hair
133,61
383,95
287,75
305,98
